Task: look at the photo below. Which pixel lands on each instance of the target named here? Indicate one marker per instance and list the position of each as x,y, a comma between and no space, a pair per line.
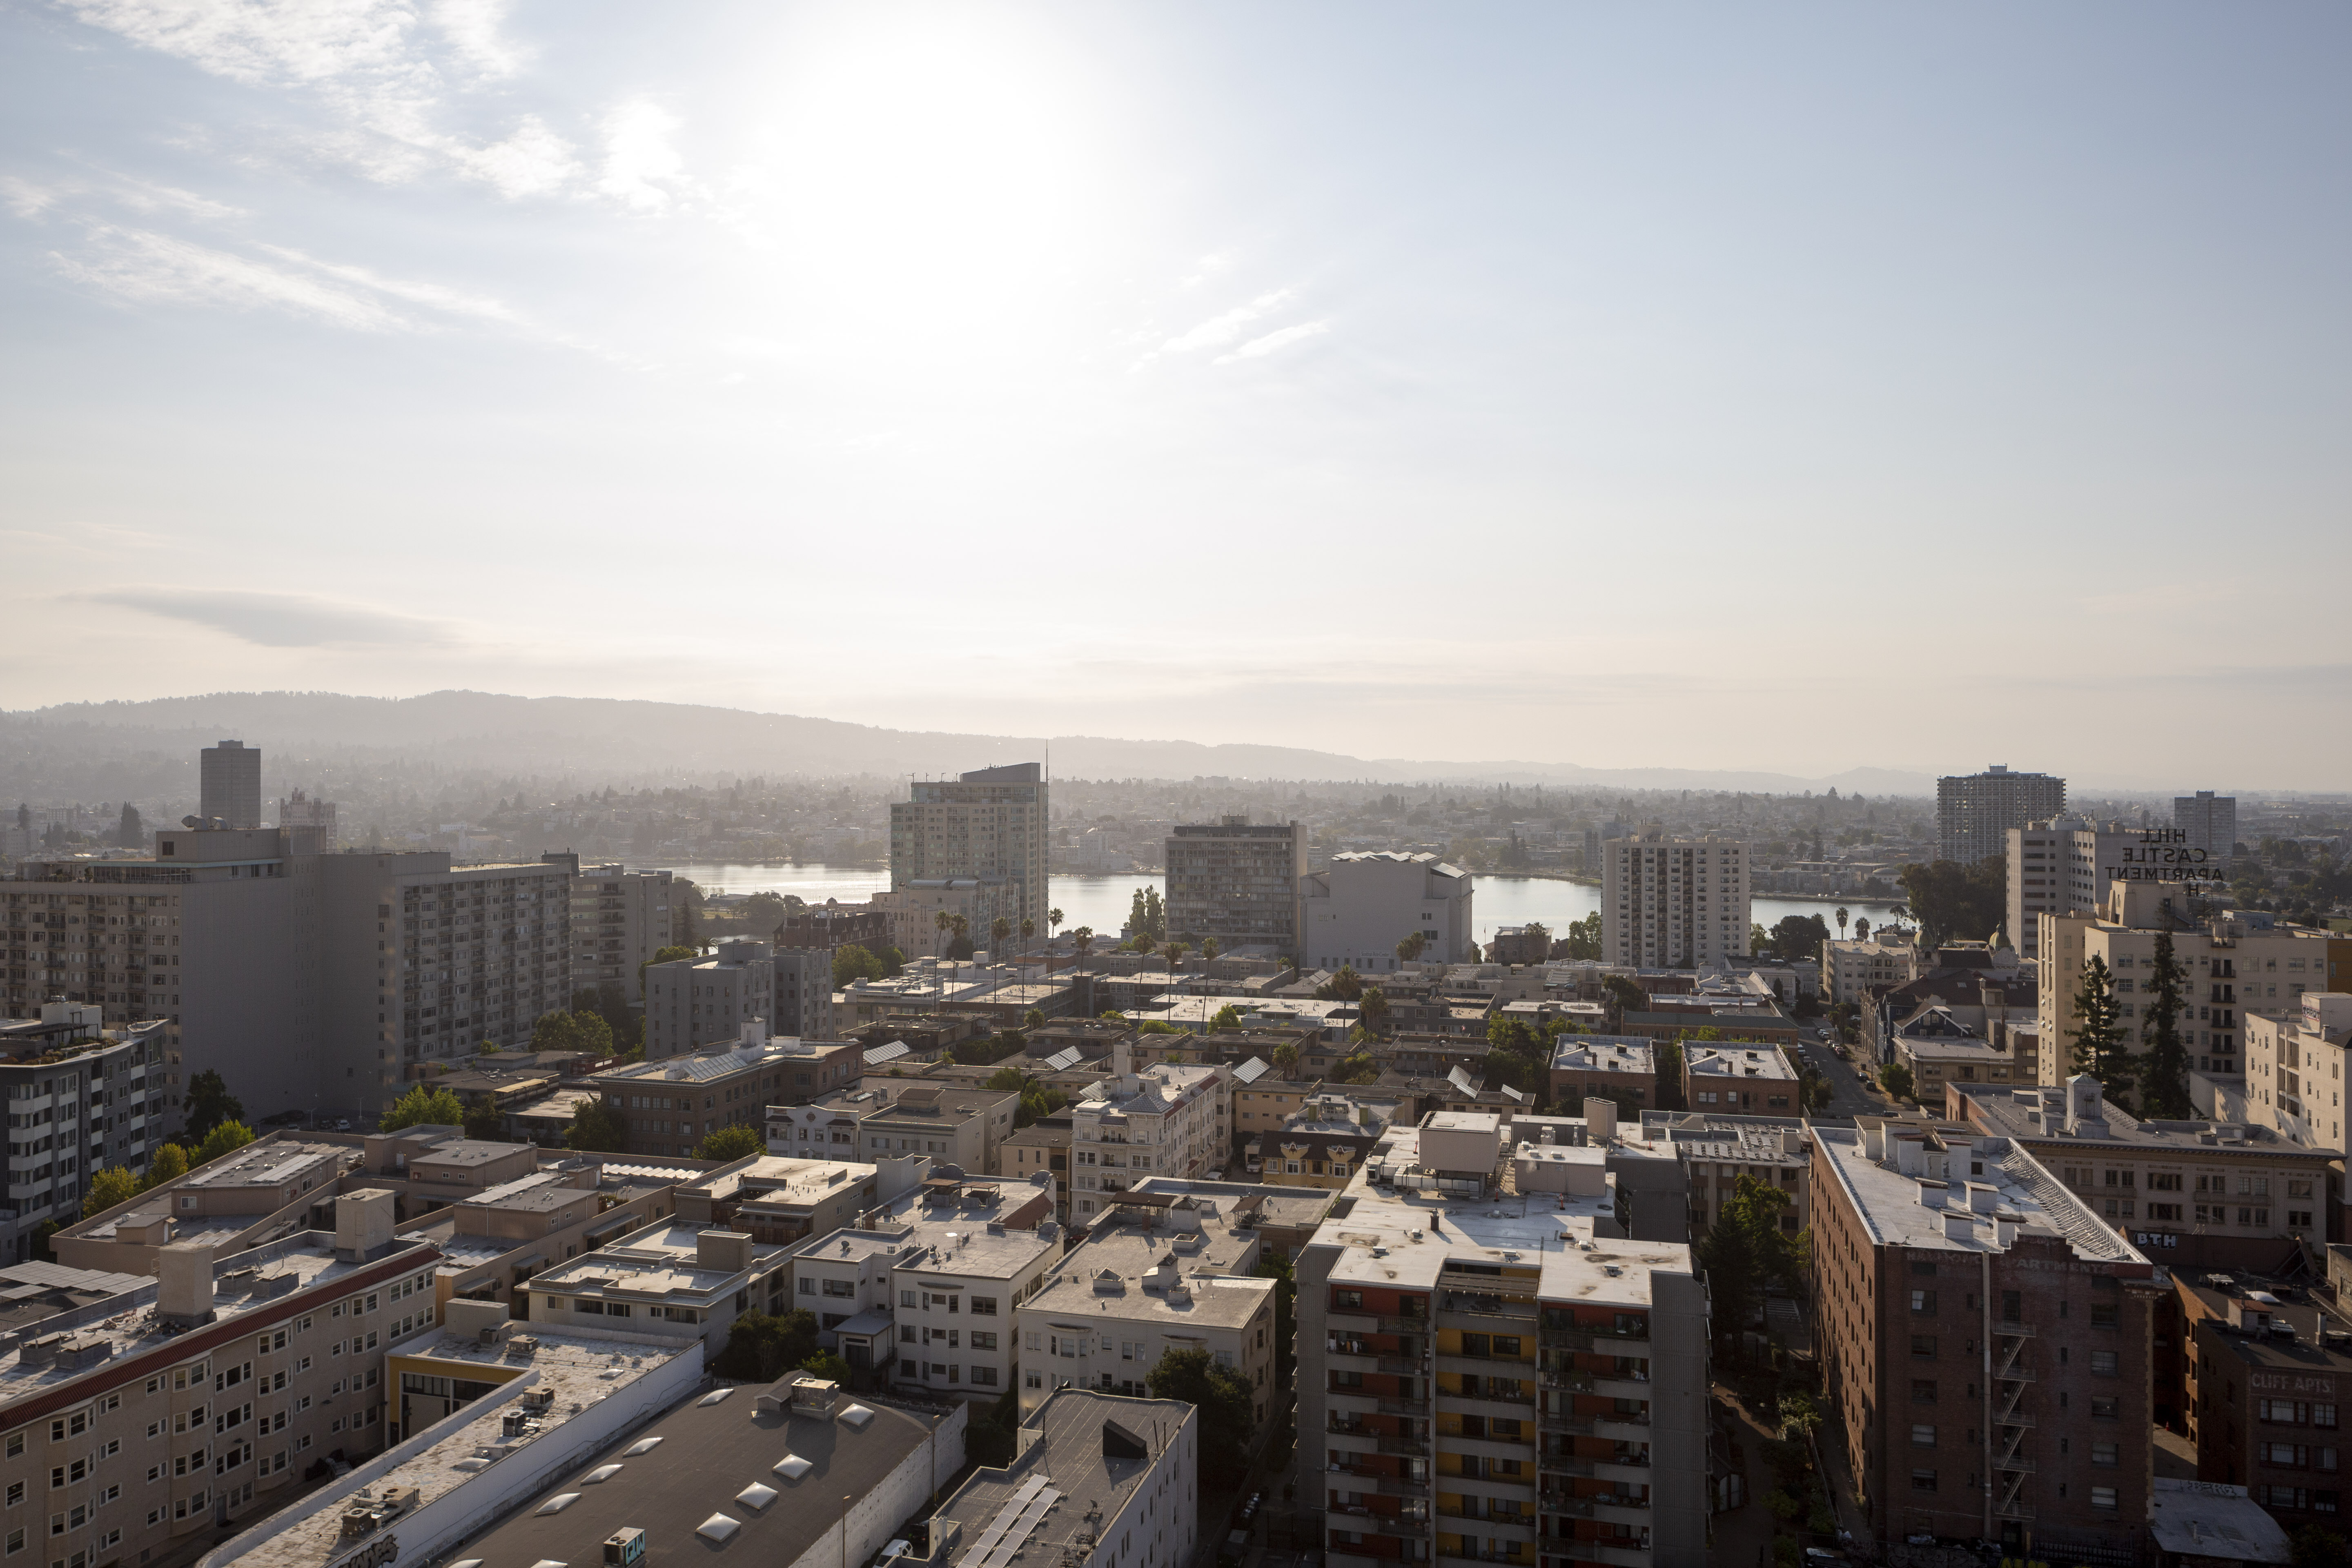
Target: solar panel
1061,1061
1515,1094
1461,1080
889,1053
1007,1531
1251,1071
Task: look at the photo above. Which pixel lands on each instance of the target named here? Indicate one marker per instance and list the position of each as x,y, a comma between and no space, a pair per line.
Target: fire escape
2012,1421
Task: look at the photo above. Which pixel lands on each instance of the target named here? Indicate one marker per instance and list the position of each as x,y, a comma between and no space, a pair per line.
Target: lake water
1102,901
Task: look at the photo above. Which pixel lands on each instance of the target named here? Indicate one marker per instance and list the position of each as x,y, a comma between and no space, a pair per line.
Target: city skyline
1326,378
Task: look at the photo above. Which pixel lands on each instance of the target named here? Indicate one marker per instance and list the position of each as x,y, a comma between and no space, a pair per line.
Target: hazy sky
1761,386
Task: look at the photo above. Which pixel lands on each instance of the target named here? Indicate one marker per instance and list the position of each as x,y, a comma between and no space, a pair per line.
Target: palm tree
1207,950
1028,934
1175,952
1082,938
999,930
944,923
1841,914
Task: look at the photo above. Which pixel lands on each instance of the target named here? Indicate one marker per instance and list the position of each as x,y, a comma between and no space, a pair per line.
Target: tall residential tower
986,824
1975,812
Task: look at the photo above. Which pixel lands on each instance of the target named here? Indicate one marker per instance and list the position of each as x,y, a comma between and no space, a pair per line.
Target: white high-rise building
1674,903
2210,820
2057,865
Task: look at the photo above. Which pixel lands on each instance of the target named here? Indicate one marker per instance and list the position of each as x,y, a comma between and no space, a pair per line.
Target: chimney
1600,1119
363,1221
728,1251
184,1283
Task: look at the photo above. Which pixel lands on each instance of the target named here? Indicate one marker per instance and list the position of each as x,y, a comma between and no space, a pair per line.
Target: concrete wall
467,1507
875,1520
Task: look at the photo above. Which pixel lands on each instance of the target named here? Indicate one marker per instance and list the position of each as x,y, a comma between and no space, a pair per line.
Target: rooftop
1603,1053
1068,1459
1407,1239
1168,1271
917,1231
1942,1188
652,1264
125,1325
2039,1115
705,1066
466,1152
1758,1141
576,1370
1737,1062
2211,1519
272,1162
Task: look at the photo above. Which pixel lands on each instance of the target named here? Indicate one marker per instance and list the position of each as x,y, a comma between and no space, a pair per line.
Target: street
1851,1097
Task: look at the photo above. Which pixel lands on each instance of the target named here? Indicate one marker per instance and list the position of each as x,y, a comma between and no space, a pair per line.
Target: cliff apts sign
2161,855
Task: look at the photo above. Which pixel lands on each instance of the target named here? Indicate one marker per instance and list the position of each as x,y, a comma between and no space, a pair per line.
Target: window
1923,1391
984,1306
2103,1497
808,1286
1923,1481
2103,1363
1924,1346
1923,1301
2103,1314
2103,1409
1922,1437
2103,1454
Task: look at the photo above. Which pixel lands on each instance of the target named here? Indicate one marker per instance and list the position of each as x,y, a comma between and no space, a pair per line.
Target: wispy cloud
281,620
157,269
642,169
1273,341
1218,331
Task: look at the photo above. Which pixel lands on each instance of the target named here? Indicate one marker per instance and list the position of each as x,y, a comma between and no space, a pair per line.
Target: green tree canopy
1666,1058
597,1125
1797,939
1628,996
1005,1080
1951,900
851,963
422,1107
760,1346
1225,1017
1373,1007
210,1103
169,1164
1746,1250
735,1141
1584,937
2164,1071
1227,1409
1345,987
226,1138
108,1187
2101,1044
1895,1078
1285,1060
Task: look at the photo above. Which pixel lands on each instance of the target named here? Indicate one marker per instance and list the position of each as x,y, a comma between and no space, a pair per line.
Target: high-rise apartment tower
988,823
1975,812
228,784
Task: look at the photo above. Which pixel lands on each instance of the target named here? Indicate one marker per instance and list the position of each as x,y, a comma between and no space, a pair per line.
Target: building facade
1240,884
1974,812
692,1004
990,823
2209,822
81,1096
1167,1119
1674,903
1986,1341
620,919
1357,912
228,785
2296,1059
2055,866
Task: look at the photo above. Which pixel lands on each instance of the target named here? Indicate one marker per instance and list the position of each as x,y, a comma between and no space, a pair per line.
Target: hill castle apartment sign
2161,855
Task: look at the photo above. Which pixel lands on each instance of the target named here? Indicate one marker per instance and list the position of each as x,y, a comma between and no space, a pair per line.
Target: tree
960,947
108,1187
1225,1017
1841,921
421,1107
226,1138
1895,1078
1861,927
1272,1264
999,931
1227,1406
2164,1072
1583,937
1028,933
169,1164
1209,950
1952,900
1745,1251
1666,1057
662,955
760,1346
829,1366
1052,920
1083,939
1516,1053
942,922
2316,1546
609,1002
1345,987
1627,996
1360,1067
1373,1008
737,1140
2101,1043
597,1126
1174,951
1797,938
486,1124
1285,1060
1410,949
851,963
210,1103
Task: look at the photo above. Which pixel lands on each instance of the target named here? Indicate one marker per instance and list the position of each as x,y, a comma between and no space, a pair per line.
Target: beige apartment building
990,823
1167,1121
140,1422
1851,970
620,919
2232,963
2296,1068
1240,883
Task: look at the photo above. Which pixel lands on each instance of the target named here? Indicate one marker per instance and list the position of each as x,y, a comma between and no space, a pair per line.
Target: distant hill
606,739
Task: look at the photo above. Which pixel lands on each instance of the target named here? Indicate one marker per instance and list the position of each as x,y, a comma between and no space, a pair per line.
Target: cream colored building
1167,1121
1670,903
988,823
2231,963
2296,1068
1157,1273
